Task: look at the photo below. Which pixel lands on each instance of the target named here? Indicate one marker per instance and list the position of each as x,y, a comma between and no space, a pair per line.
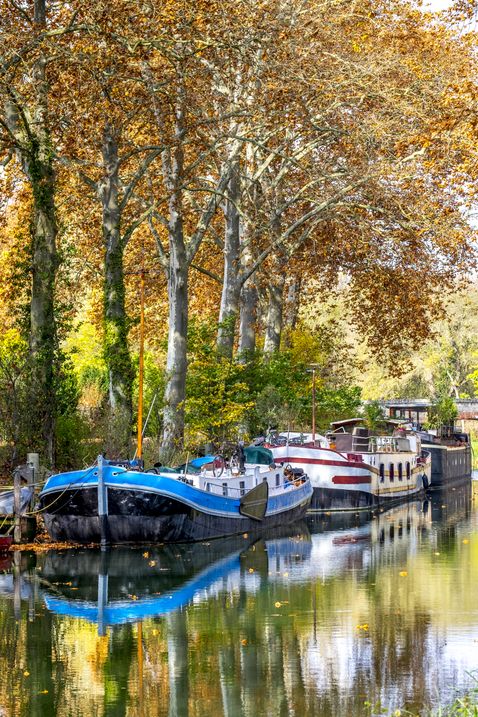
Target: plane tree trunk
231,287
116,352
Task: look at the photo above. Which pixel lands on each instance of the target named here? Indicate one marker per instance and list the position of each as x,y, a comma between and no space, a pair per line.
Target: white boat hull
357,481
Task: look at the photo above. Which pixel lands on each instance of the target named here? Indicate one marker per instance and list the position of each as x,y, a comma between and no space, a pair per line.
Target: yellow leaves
363,627
403,574
277,604
26,673
152,563
465,541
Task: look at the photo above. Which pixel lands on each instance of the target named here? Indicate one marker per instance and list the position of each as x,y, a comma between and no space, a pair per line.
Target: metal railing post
102,506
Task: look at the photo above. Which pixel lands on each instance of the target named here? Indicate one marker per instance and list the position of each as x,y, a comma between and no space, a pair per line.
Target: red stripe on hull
319,461
350,480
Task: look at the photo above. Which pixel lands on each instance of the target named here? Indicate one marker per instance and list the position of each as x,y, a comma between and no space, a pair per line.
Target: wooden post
17,506
102,506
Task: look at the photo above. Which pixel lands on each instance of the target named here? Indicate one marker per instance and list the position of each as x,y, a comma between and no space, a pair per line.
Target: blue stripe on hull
145,507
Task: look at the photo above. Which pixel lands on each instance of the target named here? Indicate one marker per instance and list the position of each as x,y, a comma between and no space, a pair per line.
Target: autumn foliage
239,155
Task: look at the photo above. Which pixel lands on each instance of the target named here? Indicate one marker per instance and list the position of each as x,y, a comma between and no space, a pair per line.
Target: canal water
338,616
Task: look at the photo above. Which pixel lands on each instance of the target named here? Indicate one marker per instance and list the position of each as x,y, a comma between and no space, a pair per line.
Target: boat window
277,479
408,470
242,487
382,472
224,488
400,471
392,472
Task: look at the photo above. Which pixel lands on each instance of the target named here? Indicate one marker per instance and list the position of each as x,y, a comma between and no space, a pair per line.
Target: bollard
102,506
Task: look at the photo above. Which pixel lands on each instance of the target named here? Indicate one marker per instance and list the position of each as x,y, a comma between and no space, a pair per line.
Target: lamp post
312,369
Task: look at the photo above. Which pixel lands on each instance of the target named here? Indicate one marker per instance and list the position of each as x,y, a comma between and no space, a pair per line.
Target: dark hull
450,466
328,499
143,517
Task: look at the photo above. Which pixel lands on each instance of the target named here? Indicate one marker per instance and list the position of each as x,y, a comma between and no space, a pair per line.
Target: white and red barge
352,472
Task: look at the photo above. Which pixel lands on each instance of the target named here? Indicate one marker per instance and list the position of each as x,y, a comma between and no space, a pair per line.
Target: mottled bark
274,316
248,319
179,261
291,308
176,364
275,287
231,280
116,350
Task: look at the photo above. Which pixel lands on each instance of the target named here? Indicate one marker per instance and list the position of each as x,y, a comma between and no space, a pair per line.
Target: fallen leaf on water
26,673
244,642
251,570
403,574
146,555
466,541
152,563
277,604
43,692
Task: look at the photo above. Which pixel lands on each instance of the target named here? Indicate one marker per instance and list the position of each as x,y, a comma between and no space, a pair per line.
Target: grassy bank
466,706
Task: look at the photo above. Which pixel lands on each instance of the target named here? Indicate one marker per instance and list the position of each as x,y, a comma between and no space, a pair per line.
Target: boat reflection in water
130,584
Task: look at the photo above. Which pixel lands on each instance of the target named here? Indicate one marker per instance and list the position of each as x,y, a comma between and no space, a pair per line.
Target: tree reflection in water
313,622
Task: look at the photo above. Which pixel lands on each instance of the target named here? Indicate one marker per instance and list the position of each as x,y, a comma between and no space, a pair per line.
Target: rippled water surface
316,620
